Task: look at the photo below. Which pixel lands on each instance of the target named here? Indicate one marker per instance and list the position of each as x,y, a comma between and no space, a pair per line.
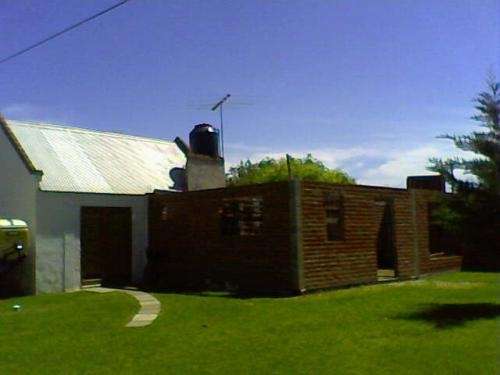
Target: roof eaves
17,146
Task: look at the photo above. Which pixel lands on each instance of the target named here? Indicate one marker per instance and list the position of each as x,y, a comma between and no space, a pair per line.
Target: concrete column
70,263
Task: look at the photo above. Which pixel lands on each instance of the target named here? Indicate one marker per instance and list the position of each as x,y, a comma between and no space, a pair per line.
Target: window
435,229
164,213
334,209
241,216
441,241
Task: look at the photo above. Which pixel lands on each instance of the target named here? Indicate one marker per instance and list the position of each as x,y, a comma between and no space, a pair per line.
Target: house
83,194
297,236
96,202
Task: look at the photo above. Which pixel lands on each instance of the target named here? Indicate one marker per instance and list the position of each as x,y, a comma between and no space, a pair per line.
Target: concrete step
91,283
386,275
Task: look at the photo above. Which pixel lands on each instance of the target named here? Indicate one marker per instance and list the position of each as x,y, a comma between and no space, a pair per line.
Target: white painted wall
58,236
203,172
18,189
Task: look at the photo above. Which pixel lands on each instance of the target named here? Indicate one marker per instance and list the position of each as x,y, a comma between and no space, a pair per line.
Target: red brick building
294,237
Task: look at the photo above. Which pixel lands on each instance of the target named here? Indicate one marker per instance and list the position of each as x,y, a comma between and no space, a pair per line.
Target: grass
448,324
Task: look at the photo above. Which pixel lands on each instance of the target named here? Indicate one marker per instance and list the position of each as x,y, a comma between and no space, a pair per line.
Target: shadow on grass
454,314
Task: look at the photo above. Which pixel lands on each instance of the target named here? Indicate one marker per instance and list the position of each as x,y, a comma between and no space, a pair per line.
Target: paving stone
142,317
146,299
137,294
136,323
150,310
150,306
150,303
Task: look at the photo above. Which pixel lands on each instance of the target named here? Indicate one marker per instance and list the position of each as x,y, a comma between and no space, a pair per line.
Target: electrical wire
59,33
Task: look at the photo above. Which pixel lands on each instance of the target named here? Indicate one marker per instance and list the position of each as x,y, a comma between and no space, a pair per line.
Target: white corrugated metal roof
87,161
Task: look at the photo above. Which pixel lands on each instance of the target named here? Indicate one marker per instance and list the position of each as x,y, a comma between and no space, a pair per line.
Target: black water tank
204,140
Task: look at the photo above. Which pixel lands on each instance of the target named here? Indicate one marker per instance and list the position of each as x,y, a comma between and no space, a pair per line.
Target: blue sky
363,85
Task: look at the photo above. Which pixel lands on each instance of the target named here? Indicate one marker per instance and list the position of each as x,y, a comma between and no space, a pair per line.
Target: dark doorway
106,243
386,250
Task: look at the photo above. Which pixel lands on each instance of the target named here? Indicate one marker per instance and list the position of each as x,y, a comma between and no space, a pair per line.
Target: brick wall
353,260
186,238
430,263
291,253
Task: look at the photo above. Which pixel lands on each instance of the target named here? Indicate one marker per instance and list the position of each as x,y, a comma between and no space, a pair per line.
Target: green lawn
448,324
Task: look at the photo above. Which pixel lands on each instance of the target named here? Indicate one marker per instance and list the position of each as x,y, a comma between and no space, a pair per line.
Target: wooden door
106,244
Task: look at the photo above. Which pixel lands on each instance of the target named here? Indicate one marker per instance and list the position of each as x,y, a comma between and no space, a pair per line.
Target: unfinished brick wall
290,252
440,261
353,260
190,248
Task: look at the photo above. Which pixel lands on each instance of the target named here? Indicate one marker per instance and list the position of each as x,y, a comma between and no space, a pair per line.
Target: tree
474,212
271,170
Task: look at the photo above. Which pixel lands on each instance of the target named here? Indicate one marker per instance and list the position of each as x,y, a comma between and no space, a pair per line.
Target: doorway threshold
386,275
91,283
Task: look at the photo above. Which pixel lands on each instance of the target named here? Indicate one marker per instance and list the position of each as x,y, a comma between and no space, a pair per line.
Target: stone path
150,306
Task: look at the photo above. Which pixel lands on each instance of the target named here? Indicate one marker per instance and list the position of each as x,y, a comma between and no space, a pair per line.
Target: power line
59,33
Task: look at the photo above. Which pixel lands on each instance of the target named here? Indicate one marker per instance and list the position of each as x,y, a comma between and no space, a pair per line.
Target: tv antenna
219,105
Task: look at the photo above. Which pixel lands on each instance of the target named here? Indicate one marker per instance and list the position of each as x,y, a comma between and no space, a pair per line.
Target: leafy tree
271,170
474,212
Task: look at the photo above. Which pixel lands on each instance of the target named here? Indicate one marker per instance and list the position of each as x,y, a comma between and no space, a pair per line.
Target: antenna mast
214,108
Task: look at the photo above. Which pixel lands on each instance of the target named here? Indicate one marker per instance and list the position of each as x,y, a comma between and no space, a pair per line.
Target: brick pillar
297,263
414,222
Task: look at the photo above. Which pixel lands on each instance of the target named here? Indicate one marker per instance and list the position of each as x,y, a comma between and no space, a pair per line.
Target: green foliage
475,211
272,170
448,216
486,144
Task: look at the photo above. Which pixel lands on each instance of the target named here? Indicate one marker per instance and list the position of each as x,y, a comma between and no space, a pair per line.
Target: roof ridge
57,127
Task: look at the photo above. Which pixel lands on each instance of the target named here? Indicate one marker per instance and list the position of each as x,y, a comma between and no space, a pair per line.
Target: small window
334,209
164,213
241,216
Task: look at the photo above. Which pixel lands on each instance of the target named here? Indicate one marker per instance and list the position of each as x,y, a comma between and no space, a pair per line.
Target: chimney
205,166
429,182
